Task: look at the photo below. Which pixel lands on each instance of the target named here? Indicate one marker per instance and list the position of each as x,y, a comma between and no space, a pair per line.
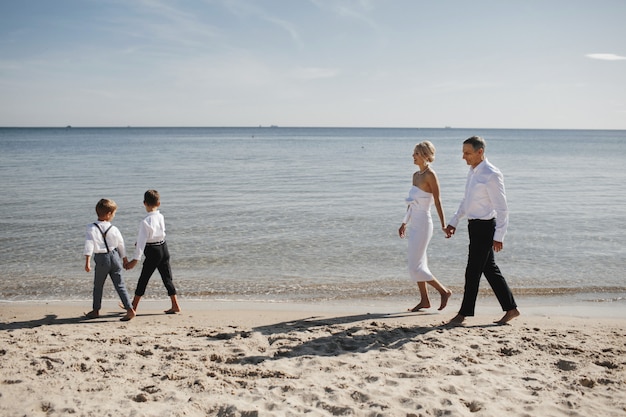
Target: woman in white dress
418,224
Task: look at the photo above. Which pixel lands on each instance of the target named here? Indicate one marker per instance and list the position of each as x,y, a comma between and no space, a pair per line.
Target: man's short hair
476,141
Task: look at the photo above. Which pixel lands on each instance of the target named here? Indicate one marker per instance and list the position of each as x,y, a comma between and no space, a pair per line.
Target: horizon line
295,127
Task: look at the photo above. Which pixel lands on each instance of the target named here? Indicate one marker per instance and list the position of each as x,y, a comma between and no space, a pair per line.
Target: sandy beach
239,359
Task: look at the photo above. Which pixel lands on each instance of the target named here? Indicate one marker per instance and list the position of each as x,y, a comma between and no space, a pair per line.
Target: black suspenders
104,235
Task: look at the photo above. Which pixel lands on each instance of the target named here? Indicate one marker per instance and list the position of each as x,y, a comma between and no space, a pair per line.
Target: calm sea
306,214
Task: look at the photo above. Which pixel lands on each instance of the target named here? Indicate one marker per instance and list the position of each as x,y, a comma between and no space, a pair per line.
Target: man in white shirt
485,207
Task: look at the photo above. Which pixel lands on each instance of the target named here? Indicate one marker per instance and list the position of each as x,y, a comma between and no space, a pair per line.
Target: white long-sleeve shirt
94,243
151,230
485,198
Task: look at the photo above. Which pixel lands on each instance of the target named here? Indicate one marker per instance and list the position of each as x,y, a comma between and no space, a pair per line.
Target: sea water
306,214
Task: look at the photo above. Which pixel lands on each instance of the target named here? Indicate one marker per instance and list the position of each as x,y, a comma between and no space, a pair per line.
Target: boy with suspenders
106,243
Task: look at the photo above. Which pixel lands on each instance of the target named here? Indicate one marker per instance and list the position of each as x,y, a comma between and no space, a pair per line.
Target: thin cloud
248,8
173,26
606,57
358,11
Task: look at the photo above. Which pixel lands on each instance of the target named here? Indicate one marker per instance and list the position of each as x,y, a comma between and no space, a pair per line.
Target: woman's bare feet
445,296
172,311
421,305
508,316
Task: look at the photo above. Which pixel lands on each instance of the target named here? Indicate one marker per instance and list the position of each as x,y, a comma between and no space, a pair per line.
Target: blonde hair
426,150
105,206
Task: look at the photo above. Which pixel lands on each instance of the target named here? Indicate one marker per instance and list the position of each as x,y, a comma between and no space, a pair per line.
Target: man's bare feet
93,314
457,320
445,296
420,306
508,316
172,311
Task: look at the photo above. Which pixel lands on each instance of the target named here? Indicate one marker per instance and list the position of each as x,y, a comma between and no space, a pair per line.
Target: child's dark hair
151,198
105,206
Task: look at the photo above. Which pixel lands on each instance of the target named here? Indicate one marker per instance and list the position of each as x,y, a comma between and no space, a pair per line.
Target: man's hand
449,231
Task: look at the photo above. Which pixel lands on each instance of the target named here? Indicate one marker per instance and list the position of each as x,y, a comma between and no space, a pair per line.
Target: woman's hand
449,231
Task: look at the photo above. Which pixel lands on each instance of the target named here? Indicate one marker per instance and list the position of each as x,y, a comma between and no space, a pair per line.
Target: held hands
448,230
129,265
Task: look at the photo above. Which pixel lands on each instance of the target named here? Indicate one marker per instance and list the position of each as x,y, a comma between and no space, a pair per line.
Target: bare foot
420,306
93,314
135,302
172,311
508,316
457,320
444,299
129,315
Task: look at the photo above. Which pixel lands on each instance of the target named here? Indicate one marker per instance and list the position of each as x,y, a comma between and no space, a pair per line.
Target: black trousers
157,257
481,261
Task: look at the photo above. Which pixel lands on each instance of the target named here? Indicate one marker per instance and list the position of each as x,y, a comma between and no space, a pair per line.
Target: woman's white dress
419,231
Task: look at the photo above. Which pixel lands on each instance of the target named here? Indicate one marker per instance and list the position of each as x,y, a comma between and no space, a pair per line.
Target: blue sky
380,63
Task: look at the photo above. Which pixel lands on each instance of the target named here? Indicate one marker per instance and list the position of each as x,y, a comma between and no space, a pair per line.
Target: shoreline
352,295
544,306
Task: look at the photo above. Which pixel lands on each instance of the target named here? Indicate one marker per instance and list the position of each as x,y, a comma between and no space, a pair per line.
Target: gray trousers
109,264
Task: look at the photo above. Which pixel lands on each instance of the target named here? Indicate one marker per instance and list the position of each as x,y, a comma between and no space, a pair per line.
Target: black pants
481,261
157,257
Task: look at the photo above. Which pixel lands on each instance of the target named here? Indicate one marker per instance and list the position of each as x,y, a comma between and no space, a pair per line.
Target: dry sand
237,359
